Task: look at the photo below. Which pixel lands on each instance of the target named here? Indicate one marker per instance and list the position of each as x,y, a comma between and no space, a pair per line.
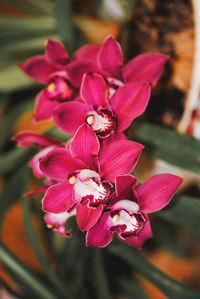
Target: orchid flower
106,116
127,211
86,174
107,58
50,69
57,222
45,144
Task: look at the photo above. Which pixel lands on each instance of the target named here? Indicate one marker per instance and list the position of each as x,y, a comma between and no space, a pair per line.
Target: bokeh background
35,263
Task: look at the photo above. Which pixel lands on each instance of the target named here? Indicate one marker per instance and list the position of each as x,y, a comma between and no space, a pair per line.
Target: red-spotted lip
131,229
104,121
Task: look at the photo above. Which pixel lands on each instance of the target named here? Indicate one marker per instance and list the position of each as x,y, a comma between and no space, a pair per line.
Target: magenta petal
98,235
38,68
157,191
145,67
143,235
43,107
58,198
59,164
69,116
94,90
118,158
110,57
39,190
87,52
124,185
32,139
78,68
87,217
55,52
129,102
85,146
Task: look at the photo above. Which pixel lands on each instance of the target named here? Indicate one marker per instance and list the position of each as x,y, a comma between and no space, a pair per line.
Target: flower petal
32,139
129,102
94,90
69,116
77,69
55,52
143,235
38,68
35,161
157,191
87,52
118,158
43,107
87,217
110,57
85,146
145,67
39,190
124,185
98,235
59,164
58,198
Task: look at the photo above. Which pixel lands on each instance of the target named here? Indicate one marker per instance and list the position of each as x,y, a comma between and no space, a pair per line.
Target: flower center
51,87
128,225
59,89
89,188
102,121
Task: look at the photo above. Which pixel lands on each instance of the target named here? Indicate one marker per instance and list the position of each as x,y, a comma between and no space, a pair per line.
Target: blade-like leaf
100,279
184,211
14,158
63,15
24,274
177,149
170,286
34,242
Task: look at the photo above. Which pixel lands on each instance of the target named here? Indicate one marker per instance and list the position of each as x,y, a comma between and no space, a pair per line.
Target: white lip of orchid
127,205
98,122
88,186
123,218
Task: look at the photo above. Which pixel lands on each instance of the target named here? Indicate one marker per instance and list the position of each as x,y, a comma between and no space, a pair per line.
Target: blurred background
35,263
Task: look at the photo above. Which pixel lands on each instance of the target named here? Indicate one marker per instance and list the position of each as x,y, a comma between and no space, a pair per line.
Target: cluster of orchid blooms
95,97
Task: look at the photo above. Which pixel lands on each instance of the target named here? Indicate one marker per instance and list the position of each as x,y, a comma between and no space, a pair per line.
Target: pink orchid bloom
107,58
57,222
86,174
106,116
45,144
128,210
50,69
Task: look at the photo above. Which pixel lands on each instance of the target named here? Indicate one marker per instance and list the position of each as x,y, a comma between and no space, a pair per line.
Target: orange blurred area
26,122
14,237
183,269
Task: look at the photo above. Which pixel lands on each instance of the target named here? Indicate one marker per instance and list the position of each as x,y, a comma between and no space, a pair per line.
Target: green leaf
24,274
57,133
170,286
63,15
162,143
100,279
33,240
12,79
130,289
183,211
14,158
30,7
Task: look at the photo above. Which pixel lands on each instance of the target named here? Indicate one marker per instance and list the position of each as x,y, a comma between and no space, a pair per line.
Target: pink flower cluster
95,97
